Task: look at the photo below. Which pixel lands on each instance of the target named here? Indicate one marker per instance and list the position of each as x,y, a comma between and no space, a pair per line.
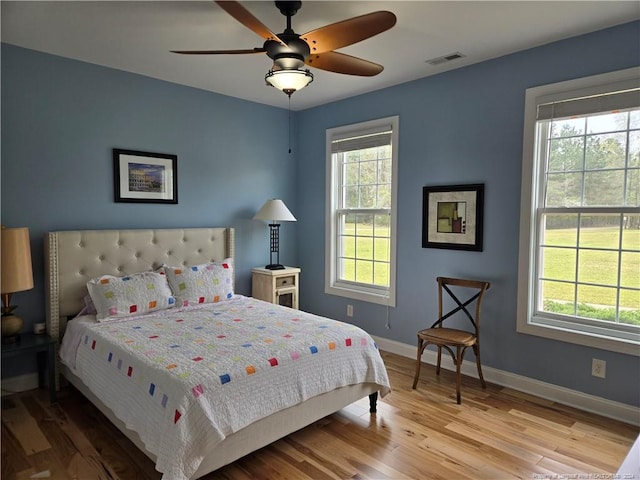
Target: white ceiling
138,36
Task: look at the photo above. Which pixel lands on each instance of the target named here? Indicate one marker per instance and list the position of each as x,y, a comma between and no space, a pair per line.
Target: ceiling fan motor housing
292,55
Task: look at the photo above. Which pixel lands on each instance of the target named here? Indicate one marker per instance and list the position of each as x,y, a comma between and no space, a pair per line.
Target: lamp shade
289,81
15,260
274,210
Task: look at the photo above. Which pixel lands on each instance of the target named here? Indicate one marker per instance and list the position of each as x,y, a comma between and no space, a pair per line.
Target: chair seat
448,336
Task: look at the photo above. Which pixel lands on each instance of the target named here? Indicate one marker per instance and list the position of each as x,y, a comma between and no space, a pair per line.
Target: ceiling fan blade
219,52
348,32
341,63
245,17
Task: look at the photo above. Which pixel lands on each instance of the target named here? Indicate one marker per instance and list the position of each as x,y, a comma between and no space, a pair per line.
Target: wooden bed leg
373,400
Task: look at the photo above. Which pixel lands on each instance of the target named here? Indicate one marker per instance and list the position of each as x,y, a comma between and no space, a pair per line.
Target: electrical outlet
349,310
598,368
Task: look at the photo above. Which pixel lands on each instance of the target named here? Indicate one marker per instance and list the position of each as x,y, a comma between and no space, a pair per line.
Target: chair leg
418,362
458,379
439,357
476,351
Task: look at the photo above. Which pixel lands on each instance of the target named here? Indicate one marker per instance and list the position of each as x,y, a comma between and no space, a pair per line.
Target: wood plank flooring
496,433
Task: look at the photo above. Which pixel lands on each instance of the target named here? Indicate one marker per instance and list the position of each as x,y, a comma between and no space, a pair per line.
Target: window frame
334,286
548,325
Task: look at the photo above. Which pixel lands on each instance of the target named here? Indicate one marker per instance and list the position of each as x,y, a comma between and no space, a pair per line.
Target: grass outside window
372,245
597,267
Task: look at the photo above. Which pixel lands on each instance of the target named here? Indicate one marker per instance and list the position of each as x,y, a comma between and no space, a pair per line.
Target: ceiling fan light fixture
289,81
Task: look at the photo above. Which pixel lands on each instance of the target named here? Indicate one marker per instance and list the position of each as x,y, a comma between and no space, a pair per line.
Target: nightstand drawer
288,281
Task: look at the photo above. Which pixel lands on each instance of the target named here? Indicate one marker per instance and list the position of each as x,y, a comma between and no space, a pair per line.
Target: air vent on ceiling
445,58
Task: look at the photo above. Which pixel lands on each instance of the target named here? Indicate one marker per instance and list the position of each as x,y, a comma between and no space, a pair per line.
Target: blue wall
61,118
60,121
464,126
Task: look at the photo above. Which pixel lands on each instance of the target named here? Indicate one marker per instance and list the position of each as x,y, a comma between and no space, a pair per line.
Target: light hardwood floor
496,433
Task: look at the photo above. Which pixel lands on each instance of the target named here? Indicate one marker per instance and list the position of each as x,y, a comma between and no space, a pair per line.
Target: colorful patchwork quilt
186,378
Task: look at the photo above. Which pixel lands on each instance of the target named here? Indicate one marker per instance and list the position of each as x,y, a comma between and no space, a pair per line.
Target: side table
276,286
45,348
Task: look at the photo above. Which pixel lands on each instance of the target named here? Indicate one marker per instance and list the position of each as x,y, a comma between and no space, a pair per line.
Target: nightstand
45,348
276,286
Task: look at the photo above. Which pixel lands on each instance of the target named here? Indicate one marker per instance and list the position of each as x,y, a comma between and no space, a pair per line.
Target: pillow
135,294
206,283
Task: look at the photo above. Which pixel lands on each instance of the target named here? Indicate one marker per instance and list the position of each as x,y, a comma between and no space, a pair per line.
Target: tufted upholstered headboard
74,257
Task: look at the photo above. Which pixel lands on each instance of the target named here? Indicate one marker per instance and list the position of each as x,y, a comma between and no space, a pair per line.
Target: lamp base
274,266
10,327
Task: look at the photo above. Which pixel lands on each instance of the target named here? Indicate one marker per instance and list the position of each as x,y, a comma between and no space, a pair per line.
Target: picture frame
145,177
452,217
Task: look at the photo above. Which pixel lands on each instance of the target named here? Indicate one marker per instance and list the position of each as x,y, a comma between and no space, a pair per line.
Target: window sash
344,199
581,107
358,258
627,331
361,141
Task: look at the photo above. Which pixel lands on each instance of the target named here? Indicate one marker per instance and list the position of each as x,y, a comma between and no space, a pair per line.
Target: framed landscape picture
452,217
145,177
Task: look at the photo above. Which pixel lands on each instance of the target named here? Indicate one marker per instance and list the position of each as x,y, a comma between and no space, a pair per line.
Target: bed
206,439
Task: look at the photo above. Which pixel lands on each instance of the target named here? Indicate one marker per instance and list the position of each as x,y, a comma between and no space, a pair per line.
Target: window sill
362,295
603,342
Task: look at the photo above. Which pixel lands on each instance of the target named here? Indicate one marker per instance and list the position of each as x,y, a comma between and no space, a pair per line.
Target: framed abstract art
452,217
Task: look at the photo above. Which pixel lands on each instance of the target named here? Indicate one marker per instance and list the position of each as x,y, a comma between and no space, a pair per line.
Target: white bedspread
186,378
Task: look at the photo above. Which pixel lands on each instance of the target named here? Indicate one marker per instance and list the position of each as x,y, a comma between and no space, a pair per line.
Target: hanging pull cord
289,123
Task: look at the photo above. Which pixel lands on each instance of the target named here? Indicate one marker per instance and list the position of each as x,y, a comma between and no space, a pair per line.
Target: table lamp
274,210
17,276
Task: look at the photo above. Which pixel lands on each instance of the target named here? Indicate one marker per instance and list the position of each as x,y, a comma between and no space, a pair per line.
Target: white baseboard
20,383
590,403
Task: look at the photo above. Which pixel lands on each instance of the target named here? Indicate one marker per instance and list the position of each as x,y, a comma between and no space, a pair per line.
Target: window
579,272
362,165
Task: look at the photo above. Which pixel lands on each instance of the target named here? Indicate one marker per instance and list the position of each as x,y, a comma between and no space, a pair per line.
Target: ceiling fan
291,51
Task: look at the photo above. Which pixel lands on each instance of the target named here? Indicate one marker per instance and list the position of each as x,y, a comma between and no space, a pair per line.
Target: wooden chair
452,338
